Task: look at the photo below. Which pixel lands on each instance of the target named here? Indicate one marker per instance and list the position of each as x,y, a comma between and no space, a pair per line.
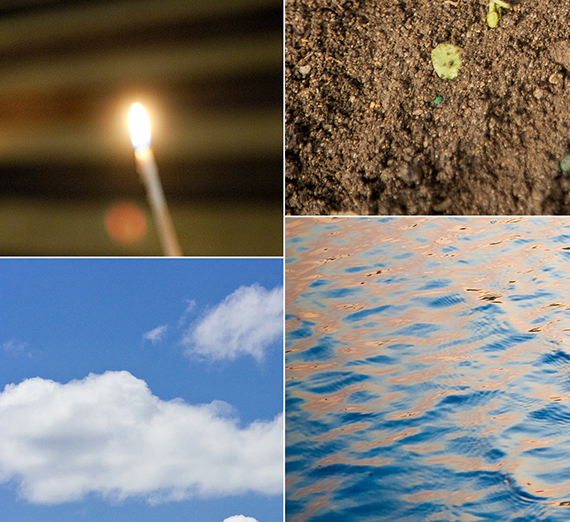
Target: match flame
140,127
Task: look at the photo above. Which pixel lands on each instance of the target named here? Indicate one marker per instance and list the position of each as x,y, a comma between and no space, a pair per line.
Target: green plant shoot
495,10
565,164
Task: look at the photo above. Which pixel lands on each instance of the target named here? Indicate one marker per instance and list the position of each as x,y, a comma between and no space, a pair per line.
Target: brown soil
363,131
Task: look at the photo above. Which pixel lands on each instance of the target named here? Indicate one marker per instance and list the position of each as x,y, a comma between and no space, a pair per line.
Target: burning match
146,167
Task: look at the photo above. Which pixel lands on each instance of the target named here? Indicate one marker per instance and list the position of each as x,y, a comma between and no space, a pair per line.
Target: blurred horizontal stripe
157,63
93,19
77,228
198,137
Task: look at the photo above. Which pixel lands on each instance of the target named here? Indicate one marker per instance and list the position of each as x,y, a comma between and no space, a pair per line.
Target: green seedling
446,60
565,164
495,10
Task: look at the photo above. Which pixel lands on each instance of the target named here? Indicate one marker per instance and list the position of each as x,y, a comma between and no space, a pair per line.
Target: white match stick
146,167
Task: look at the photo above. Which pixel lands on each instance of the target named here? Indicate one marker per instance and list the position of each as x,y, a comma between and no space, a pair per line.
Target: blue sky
185,357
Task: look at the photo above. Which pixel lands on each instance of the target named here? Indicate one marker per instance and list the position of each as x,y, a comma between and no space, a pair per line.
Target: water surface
428,369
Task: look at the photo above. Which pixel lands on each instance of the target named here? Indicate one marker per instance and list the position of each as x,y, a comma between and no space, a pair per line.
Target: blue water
428,369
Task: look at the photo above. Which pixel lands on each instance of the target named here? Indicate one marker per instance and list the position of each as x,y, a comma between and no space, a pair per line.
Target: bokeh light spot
125,223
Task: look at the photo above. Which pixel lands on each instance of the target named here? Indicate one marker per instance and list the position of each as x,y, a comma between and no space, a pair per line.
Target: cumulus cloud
246,322
157,334
108,434
240,518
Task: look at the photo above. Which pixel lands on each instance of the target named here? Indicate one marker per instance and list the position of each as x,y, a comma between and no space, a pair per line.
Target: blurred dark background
209,74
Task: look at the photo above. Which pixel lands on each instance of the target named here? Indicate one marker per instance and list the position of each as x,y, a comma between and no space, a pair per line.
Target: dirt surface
365,135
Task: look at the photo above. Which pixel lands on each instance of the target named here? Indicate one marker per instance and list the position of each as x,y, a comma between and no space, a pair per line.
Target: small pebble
305,69
443,206
538,94
555,78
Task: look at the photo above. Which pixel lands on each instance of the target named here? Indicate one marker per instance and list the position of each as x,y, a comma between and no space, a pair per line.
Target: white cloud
246,322
240,518
157,334
109,435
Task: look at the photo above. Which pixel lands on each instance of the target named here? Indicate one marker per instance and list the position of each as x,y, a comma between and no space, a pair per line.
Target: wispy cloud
246,322
190,305
156,335
240,518
108,434
14,346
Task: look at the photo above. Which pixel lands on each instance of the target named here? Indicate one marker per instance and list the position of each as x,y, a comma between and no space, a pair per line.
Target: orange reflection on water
321,501
455,498
344,430
323,485
444,515
484,419
423,404
453,355
500,421
427,402
301,370
321,405
426,375
301,345
533,486
548,392
462,463
528,444
388,440
425,448
339,459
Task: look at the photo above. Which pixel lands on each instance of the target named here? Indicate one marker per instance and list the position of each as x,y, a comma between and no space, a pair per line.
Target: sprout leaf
446,59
